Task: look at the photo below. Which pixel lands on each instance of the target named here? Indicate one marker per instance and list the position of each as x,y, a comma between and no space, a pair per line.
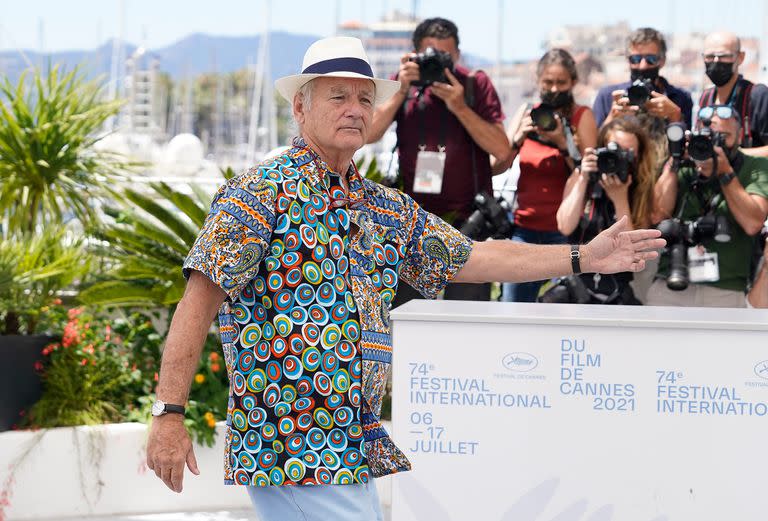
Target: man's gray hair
305,95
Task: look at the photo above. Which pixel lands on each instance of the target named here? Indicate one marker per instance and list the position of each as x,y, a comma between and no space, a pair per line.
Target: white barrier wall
524,412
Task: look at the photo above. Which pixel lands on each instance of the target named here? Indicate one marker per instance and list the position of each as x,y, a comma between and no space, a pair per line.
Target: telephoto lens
678,267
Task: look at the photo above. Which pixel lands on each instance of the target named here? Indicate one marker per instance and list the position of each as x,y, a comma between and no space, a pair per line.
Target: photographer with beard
722,58
711,265
546,139
447,130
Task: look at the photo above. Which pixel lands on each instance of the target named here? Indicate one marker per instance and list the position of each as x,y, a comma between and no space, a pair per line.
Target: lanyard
421,109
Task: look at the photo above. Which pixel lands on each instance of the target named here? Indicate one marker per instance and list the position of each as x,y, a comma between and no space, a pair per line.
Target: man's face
729,128
339,116
643,51
441,44
719,48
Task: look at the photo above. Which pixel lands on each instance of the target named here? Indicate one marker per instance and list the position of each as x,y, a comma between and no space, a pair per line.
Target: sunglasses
721,111
650,59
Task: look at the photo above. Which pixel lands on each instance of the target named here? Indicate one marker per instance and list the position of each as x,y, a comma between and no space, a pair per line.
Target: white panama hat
337,57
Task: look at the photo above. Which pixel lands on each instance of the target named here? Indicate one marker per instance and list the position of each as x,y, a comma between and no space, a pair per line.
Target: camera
431,66
543,117
680,235
702,143
614,160
490,219
640,92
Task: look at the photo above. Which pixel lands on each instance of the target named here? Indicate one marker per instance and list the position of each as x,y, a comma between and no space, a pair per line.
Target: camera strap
740,98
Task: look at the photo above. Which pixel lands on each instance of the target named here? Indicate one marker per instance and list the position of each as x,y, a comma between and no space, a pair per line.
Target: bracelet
725,179
575,259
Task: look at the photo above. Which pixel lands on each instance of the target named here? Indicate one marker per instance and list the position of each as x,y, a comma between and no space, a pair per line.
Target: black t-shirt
758,108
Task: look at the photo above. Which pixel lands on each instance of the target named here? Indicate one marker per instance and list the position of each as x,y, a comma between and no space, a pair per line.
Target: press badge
429,172
703,265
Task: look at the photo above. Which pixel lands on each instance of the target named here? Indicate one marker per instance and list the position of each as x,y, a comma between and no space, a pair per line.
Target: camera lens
678,267
543,117
700,147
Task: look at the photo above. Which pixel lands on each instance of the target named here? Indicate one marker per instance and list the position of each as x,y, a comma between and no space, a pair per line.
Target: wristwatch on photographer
159,408
726,178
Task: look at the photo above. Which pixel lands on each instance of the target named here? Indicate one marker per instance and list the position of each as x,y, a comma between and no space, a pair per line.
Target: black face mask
647,74
719,72
557,99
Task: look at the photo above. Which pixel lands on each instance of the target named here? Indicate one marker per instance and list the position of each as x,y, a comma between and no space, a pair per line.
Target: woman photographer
542,138
594,200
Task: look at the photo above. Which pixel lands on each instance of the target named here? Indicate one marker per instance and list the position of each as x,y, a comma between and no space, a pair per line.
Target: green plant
49,167
89,376
146,246
33,268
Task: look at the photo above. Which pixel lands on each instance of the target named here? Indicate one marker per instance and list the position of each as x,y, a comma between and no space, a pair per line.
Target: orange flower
57,301
199,378
215,368
156,377
84,361
213,357
211,423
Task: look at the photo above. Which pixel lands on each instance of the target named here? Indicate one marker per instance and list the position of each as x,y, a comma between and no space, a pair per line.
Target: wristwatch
160,408
575,259
726,178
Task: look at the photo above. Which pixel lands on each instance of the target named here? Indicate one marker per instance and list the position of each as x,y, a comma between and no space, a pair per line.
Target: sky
55,25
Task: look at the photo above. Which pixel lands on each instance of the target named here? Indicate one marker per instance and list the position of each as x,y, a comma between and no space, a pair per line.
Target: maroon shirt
458,188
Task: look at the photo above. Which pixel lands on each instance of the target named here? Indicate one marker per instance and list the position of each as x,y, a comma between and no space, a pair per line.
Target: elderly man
722,58
301,257
733,188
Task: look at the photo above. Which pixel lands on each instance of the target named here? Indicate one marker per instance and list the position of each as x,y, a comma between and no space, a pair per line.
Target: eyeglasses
721,56
650,59
721,111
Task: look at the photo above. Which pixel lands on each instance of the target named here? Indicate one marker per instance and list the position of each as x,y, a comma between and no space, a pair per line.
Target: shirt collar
318,172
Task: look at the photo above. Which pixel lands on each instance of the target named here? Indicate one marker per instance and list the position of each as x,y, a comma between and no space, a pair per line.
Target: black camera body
490,219
640,91
680,235
544,118
432,64
614,160
702,143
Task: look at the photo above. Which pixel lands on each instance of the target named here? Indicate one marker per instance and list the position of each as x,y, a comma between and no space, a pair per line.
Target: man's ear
740,59
298,108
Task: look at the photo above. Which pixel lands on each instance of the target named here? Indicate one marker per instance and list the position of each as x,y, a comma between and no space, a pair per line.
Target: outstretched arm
169,447
614,250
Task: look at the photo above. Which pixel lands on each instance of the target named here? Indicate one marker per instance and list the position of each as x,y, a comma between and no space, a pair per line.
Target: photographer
613,181
722,58
646,54
445,140
545,138
713,206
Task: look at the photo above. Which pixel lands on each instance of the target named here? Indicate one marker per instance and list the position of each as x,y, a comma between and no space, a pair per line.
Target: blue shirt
680,97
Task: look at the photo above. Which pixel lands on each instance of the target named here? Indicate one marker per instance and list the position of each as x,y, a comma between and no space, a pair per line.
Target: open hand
615,250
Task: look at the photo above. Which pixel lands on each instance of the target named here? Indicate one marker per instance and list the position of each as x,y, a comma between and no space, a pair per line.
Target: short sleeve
487,103
757,180
602,105
236,234
435,253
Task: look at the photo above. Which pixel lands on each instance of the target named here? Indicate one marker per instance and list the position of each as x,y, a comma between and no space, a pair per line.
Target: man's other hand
451,93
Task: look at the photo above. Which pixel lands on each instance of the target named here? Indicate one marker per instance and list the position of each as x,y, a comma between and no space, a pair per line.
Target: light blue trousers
358,502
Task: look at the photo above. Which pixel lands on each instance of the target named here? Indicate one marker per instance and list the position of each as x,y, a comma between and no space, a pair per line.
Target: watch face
158,408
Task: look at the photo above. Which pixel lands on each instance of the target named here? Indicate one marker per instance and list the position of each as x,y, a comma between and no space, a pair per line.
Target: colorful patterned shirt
310,273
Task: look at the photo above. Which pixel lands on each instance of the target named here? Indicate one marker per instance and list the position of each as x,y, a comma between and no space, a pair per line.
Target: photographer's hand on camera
662,107
451,93
408,73
526,127
555,136
724,166
617,192
621,106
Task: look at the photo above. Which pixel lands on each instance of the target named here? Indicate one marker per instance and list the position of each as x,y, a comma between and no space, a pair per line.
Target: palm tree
49,166
146,246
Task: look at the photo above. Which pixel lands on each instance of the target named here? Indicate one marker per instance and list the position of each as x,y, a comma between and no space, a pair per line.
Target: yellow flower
211,422
208,416
199,378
